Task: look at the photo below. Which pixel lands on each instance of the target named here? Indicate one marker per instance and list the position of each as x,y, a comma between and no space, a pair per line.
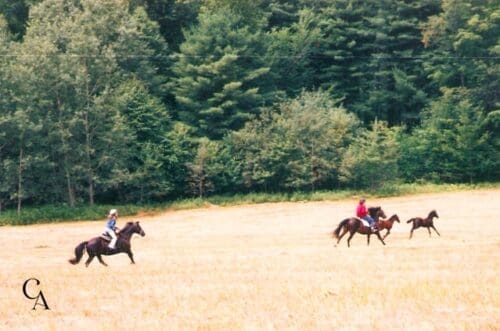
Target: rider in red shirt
362,213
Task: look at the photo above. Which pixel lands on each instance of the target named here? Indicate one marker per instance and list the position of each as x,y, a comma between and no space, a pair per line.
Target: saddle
365,222
105,236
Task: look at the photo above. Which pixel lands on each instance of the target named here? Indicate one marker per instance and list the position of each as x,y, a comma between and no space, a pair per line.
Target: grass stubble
266,267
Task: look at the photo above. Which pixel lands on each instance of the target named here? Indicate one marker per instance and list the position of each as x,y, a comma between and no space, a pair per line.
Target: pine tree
463,41
221,79
371,54
292,52
172,16
16,14
343,52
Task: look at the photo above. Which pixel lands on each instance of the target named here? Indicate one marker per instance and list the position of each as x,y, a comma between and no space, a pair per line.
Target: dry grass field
266,267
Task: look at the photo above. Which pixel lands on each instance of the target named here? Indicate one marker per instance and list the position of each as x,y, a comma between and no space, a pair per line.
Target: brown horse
424,222
98,246
387,224
354,224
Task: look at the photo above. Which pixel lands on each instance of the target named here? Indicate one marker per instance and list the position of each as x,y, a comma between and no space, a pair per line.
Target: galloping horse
354,224
424,222
387,224
98,246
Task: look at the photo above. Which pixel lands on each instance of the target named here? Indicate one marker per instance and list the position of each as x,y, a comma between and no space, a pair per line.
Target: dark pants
369,219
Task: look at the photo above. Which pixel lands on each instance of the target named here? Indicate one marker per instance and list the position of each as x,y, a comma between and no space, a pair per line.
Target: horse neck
127,232
392,218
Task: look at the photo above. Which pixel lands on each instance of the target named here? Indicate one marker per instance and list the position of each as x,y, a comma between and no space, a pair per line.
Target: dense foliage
105,101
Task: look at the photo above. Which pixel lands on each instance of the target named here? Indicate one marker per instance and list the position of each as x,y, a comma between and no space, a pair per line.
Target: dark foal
424,222
387,224
98,246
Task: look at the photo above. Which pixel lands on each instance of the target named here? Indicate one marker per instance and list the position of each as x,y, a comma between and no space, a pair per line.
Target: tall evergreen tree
221,78
344,51
172,16
396,92
282,13
291,53
371,56
16,12
463,41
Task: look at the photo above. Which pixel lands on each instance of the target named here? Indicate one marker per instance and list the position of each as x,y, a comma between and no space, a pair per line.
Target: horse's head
138,229
433,214
395,218
134,227
376,212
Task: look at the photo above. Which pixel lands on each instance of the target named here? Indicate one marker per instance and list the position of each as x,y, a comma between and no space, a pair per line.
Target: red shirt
361,210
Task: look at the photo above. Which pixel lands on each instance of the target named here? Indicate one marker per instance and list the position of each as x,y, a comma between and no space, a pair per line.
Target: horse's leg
387,233
368,239
101,260
349,239
343,234
429,229
379,237
131,256
91,257
435,230
412,228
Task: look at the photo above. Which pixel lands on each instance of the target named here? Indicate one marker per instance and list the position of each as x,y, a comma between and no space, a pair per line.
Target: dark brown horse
387,224
424,222
354,224
98,246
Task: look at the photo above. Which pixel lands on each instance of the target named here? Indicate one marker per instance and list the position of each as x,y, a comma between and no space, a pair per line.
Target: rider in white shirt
111,227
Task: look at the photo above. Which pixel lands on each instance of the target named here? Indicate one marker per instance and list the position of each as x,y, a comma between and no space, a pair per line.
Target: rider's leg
372,222
113,238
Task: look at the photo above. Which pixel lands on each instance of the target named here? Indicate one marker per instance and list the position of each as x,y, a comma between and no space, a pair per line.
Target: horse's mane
127,227
392,218
373,210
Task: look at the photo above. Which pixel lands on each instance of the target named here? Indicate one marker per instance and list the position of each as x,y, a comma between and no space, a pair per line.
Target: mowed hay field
266,267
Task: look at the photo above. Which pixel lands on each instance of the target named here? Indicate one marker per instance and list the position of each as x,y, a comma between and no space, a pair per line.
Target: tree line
106,101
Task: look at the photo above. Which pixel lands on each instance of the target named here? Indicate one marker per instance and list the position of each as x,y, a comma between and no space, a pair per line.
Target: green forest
143,101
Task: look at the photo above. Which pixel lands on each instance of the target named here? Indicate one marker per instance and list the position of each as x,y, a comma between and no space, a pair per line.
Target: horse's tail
410,220
78,253
336,233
